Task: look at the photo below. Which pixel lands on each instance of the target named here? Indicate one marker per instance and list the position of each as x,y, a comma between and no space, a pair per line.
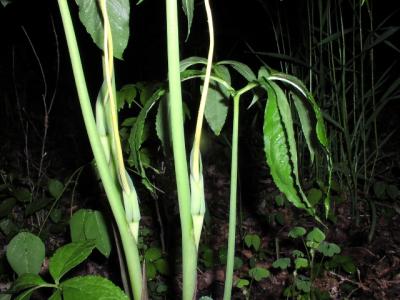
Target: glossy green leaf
222,72
37,205
91,288
118,14
152,254
136,138
300,87
280,147
26,281
241,68
126,96
297,253
26,295
162,124
68,257
282,263
25,253
216,109
296,232
300,263
151,271
305,122
22,195
237,263
241,283
253,240
316,235
77,225
303,284
188,8
96,230
56,188
162,266
328,249
314,196
259,273
343,261
56,295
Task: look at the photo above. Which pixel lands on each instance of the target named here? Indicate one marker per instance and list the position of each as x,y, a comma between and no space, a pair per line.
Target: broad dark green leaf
280,146
162,266
241,283
56,188
136,138
259,273
22,194
162,124
25,253
126,95
296,232
152,254
305,124
118,13
68,257
253,240
77,225
6,206
300,263
216,109
26,281
37,205
282,263
328,249
96,230
91,288
56,295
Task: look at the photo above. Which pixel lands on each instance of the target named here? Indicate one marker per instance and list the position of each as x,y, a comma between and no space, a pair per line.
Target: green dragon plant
279,140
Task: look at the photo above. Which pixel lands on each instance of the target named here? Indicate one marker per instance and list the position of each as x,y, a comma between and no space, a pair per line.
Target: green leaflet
305,123
190,61
25,253
188,8
91,288
280,146
319,127
241,68
118,13
216,109
136,137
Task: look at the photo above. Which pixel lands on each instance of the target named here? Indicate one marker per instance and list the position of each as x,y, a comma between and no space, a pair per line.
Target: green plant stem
233,193
189,252
113,193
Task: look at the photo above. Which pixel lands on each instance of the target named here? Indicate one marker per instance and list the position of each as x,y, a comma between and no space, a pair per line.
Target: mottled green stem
189,253
112,191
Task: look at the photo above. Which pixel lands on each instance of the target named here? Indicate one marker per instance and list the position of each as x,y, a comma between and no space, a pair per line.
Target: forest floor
376,272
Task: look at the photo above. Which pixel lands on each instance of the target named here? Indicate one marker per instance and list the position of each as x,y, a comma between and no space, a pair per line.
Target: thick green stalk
113,193
233,193
189,253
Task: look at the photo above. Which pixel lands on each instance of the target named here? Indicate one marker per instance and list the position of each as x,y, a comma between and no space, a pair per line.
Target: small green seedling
63,260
